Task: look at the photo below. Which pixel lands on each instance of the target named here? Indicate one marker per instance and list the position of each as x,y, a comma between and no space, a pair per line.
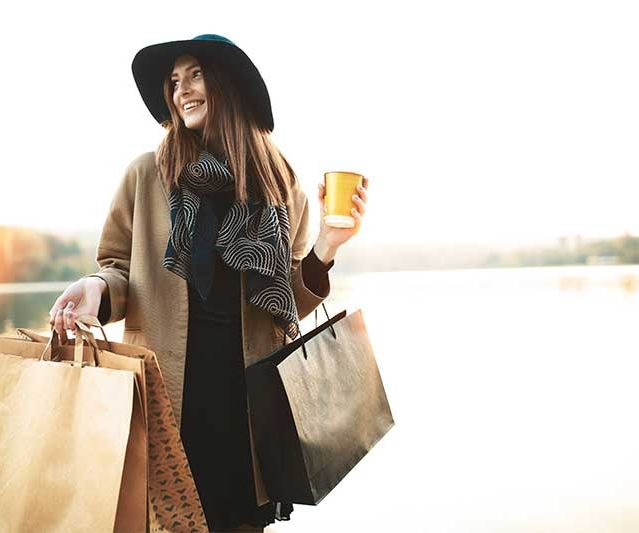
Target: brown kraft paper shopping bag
174,504
72,440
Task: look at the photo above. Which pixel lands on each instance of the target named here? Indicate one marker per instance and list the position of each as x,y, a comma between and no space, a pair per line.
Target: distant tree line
27,255
620,251
355,257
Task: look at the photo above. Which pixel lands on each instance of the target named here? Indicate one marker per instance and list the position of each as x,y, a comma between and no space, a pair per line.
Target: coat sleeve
305,299
114,250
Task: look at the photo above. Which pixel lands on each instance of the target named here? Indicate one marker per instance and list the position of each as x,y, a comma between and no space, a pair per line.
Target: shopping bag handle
29,334
302,338
328,319
91,320
82,333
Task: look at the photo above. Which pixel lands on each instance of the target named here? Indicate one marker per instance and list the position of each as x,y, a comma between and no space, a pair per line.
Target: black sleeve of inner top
315,274
105,310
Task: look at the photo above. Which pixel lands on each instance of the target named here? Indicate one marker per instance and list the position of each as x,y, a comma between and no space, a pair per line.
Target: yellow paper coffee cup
340,188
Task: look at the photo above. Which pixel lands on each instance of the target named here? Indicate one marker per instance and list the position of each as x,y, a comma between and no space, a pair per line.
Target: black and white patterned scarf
252,238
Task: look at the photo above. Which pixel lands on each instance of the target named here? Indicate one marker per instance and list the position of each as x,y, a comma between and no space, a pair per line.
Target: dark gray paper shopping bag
317,406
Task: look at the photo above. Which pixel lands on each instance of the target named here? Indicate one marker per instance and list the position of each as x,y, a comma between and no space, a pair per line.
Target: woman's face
189,92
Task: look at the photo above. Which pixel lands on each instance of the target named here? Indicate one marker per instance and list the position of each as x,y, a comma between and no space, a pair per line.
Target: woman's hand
80,298
330,238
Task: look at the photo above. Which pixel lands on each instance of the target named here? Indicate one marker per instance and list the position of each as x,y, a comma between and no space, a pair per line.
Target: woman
204,253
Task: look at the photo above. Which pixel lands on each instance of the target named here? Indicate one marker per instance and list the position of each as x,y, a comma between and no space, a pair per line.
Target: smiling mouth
194,105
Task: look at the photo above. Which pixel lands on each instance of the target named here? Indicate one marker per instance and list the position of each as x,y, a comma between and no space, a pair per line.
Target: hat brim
152,63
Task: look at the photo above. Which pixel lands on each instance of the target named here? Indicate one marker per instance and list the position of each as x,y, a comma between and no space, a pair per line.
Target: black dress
214,425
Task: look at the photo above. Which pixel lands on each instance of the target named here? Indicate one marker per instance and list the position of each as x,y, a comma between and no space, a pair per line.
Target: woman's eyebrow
187,68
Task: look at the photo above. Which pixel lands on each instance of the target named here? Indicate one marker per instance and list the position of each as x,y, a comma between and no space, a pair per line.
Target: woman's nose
183,88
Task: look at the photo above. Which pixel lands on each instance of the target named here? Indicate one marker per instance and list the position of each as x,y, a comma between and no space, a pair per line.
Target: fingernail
70,305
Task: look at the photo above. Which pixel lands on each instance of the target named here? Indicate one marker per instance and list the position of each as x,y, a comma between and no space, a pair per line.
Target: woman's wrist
324,252
98,283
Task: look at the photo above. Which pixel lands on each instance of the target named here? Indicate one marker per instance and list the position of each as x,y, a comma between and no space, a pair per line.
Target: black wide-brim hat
152,64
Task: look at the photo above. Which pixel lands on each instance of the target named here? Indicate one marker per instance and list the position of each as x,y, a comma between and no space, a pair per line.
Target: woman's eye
196,74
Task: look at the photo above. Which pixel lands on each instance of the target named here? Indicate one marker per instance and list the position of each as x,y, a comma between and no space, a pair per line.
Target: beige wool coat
154,301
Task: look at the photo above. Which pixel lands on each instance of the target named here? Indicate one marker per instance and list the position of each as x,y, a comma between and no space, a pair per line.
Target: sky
477,122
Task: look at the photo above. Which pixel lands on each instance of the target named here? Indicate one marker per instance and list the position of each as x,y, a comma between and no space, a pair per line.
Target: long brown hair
230,131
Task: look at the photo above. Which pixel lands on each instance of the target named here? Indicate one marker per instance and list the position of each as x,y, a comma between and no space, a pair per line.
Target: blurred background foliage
27,255
31,256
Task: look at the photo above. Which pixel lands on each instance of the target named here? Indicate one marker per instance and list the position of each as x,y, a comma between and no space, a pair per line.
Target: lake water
515,394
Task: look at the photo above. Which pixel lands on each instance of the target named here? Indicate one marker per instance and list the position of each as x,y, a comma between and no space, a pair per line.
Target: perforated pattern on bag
174,502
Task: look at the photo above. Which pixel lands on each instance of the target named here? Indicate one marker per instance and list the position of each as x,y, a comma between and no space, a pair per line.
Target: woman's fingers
357,217
57,306
362,193
359,204
360,200
58,325
69,316
62,319
321,194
